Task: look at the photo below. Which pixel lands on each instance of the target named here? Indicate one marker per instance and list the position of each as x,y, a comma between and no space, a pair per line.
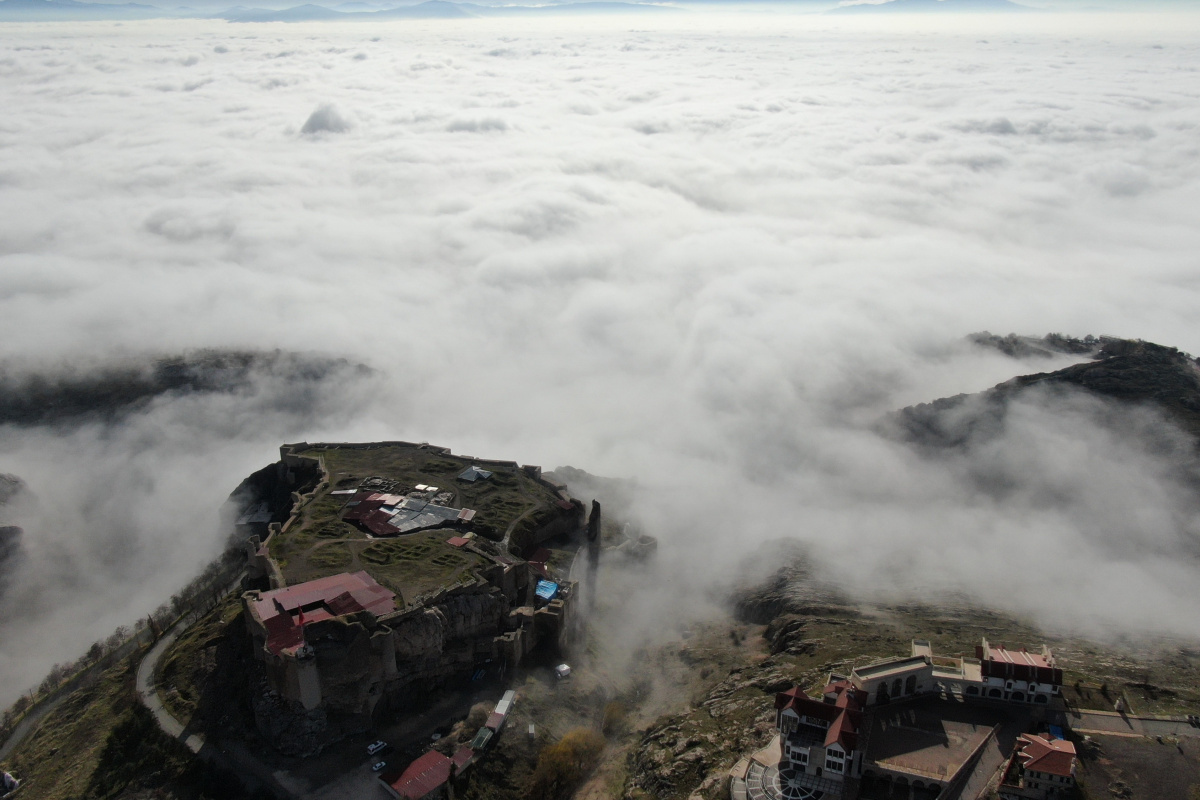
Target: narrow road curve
148,693
233,758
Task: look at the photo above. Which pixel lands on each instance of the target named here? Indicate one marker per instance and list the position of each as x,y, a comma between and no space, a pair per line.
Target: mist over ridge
708,254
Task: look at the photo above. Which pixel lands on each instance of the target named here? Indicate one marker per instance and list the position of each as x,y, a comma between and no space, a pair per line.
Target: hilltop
67,394
1129,373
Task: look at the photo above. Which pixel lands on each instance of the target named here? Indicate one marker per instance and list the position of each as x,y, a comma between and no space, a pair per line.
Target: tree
563,765
475,720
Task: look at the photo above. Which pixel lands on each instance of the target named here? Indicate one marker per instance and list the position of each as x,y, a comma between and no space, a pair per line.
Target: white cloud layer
708,252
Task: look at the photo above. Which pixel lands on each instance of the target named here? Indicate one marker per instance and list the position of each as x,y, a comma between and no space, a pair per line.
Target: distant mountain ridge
52,10
933,6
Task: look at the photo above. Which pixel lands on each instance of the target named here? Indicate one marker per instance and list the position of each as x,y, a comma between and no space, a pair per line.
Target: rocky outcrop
786,635
10,535
1124,371
342,651
686,755
1034,347
10,552
10,487
419,635
791,590
296,732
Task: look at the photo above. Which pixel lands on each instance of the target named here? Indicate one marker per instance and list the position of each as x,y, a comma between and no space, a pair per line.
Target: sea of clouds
708,252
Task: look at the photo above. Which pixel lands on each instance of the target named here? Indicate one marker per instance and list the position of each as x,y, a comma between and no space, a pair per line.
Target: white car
376,747
378,765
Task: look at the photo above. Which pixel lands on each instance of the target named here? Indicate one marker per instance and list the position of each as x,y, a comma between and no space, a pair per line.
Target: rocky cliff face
296,732
10,535
427,632
687,755
348,671
420,635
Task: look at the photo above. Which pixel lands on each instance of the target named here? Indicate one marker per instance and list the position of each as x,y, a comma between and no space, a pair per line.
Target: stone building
321,641
1042,768
338,645
996,673
818,739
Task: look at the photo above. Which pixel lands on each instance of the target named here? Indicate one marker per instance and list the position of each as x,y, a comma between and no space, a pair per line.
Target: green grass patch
332,557
182,668
101,743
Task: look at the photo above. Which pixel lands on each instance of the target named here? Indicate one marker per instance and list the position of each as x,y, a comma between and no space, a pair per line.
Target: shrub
563,765
614,718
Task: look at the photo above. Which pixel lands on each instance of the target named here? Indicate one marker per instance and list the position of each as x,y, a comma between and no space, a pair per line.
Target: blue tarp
1057,732
546,590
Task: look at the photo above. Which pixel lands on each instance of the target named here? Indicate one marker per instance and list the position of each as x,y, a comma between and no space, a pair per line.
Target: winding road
226,755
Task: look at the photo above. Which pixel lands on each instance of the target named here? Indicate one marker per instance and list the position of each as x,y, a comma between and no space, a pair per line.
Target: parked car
376,747
378,765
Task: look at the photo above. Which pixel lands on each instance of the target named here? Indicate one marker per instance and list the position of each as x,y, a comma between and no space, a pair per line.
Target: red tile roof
1022,657
999,662
788,698
844,715
379,523
495,721
1043,753
843,730
845,695
462,756
285,612
423,776
457,541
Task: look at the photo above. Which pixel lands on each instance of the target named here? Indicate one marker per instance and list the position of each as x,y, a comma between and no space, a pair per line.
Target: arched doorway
896,688
910,685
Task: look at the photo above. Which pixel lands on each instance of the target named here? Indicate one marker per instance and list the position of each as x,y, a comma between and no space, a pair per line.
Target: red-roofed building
279,621
427,778
819,739
1018,675
1042,767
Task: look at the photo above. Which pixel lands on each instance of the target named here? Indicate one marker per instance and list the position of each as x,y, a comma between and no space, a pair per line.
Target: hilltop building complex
427,600
930,727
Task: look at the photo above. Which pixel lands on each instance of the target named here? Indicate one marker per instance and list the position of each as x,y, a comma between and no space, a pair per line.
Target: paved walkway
763,782
1110,722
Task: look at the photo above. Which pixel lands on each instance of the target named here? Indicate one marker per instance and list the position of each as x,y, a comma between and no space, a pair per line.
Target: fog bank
709,253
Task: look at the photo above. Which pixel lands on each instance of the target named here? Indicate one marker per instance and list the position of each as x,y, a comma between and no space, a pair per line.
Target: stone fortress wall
360,665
